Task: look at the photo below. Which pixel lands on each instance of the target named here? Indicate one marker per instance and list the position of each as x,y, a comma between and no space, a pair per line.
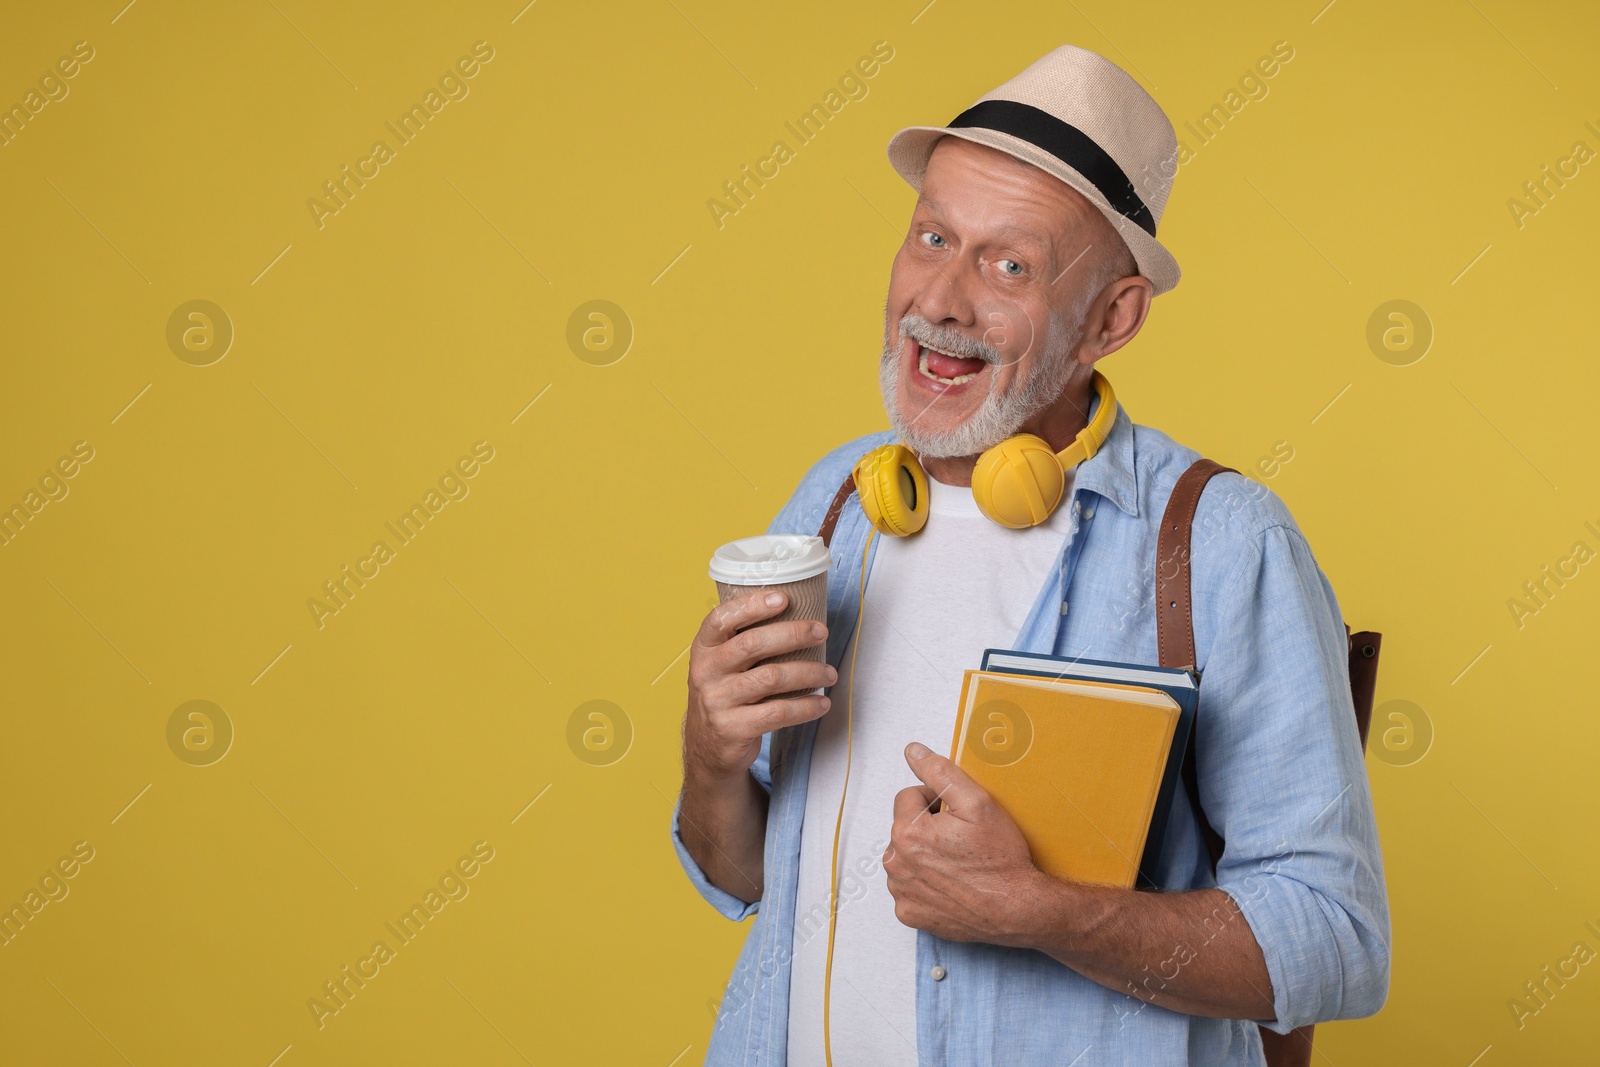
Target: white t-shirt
934,602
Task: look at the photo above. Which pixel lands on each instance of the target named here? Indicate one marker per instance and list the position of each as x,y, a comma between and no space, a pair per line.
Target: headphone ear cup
893,490
1019,481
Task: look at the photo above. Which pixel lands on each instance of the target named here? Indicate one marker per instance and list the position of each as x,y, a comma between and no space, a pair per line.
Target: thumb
950,783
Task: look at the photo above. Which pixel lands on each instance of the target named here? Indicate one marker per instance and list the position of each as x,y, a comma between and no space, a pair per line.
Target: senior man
1030,256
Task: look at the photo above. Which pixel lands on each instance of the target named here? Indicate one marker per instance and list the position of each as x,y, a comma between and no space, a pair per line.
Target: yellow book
1077,764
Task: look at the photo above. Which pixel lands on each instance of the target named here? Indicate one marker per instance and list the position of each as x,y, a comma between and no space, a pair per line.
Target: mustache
945,339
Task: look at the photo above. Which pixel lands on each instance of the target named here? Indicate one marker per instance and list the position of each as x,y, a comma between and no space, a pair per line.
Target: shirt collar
1111,471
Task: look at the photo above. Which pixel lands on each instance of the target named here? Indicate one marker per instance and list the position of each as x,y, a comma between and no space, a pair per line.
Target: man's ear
1115,318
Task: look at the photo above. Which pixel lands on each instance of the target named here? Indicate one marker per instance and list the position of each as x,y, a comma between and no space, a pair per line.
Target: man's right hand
726,716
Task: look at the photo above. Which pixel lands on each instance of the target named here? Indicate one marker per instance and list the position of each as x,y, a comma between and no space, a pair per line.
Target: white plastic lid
770,560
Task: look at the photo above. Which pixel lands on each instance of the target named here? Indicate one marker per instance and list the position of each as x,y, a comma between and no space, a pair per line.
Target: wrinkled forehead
981,187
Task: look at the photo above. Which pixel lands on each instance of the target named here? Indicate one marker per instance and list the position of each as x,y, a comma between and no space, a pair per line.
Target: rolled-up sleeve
1282,779
726,903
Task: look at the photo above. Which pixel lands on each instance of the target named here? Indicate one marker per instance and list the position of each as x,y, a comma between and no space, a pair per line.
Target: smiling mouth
944,368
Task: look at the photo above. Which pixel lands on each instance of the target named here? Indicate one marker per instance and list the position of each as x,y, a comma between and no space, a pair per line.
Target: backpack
1175,641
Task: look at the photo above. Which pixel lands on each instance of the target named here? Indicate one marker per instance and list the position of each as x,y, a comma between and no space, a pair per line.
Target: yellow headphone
1017,483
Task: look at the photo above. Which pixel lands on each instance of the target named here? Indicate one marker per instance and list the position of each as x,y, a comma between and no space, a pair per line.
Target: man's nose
949,296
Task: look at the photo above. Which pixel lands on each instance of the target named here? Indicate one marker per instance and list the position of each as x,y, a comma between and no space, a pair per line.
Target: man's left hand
964,873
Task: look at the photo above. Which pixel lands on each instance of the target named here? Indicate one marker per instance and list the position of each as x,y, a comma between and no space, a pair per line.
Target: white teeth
922,365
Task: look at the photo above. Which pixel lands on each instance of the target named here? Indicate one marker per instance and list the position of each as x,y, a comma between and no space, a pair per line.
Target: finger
911,803
768,640
747,723
950,783
770,679
724,620
776,714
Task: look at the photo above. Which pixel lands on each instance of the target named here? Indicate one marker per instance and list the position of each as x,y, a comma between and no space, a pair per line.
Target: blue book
1181,685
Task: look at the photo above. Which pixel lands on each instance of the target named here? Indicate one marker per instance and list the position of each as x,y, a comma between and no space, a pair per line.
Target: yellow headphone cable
838,823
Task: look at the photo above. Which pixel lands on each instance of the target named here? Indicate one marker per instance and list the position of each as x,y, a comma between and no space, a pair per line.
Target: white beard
1002,414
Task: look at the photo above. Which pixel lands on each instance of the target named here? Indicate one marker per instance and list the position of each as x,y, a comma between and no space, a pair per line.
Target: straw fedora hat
1080,117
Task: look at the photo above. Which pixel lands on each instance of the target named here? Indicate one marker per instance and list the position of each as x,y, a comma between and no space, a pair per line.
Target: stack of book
1083,754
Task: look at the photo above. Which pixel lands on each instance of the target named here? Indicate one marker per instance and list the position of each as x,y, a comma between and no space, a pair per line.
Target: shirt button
1077,507
938,974
1063,607
1088,513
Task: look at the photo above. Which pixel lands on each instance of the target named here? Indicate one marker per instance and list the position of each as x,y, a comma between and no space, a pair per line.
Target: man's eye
932,240
1011,267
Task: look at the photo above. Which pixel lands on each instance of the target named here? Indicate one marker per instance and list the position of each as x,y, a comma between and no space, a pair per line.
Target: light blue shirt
1281,777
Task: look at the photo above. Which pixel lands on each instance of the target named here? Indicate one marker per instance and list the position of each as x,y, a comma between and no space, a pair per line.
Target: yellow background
370,354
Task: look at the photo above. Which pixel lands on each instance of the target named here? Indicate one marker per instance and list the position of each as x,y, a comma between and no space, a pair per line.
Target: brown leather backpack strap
1174,614
831,519
1175,611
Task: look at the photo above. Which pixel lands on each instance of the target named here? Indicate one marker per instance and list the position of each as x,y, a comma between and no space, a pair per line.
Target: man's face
986,299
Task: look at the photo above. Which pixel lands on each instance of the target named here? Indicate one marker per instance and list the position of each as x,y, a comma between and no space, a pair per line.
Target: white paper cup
792,564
